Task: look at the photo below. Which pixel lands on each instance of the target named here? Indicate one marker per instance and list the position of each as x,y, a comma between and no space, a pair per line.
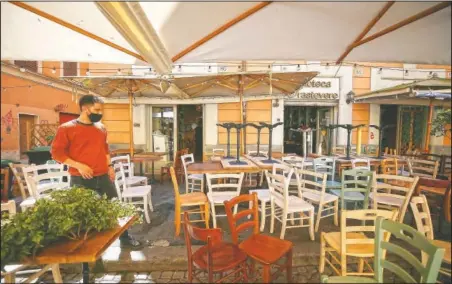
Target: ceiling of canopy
279,31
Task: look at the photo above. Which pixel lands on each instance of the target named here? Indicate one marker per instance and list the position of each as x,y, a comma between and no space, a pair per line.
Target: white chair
293,161
361,164
9,206
392,192
263,196
423,168
32,171
288,205
131,178
41,188
192,181
261,152
312,187
218,153
127,193
327,165
220,192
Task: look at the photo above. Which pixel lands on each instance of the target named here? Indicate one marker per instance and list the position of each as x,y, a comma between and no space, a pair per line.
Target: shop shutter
29,65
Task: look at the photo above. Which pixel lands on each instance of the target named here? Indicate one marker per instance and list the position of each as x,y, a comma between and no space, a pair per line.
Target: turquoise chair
427,273
355,188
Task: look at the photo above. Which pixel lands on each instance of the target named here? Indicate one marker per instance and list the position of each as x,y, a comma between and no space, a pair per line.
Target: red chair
264,249
217,257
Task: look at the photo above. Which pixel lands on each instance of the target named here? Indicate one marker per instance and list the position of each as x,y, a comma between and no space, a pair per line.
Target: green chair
356,186
409,235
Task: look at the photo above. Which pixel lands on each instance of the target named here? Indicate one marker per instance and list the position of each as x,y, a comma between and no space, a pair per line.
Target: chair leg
266,275
177,219
250,205
311,225
336,212
319,215
145,207
56,273
150,202
214,215
272,217
361,265
343,264
289,266
206,214
284,224
190,273
10,278
263,214
322,253
162,171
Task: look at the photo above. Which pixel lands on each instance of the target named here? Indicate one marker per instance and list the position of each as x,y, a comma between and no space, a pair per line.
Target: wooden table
148,157
81,251
211,167
124,152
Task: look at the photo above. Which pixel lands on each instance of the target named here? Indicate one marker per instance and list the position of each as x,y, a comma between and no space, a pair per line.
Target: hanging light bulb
53,70
119,71
22,69
298,67
380,70
4,89
327,66
406,72
209,69
88,72
179,68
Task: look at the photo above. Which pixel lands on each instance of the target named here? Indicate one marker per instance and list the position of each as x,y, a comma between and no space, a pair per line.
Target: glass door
163,129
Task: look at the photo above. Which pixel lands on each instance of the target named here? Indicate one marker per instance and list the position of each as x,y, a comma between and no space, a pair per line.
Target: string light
119,71
209,69
53,70
87,72
298,67
380,70
327,66
406,72
22,69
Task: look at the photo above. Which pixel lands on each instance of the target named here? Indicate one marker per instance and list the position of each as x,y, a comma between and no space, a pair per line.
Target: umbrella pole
429,126
131,122
241,109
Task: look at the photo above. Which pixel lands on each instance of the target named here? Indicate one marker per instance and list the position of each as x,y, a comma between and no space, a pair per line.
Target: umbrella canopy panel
254,84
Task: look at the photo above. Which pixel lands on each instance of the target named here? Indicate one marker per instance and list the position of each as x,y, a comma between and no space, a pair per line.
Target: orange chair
177,164
264,249
217,257
189,200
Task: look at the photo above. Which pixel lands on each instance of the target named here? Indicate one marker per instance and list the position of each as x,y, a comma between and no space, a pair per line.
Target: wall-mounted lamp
350,97
276,103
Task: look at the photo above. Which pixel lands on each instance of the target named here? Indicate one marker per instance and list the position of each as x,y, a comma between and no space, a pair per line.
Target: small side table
147,157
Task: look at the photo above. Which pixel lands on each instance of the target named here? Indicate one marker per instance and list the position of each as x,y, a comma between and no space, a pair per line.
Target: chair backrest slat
230,181
423,168
325,165
361,181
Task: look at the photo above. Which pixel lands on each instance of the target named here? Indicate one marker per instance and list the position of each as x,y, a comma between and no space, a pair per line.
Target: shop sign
319,89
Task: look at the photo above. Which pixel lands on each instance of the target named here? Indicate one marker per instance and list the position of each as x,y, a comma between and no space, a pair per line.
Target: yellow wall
116,119
361,112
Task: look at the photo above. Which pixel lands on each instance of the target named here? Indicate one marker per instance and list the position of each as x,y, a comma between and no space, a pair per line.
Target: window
70,69
29,65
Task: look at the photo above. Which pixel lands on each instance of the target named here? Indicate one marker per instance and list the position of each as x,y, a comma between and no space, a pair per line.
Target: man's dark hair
89,100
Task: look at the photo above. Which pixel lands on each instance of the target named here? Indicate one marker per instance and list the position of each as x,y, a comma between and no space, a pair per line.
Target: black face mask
95,117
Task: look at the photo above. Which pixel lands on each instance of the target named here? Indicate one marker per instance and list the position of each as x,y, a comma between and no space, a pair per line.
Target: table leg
85,272
152,181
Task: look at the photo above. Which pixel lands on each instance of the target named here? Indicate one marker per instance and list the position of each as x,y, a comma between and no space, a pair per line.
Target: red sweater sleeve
60,145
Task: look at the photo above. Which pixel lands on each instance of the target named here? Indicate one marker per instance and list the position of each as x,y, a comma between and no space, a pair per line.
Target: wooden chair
283,204
19,178
5,184
339,150
356,187
423,168
192,181
10,271
131,178
389,166
188,200
217,257
220,192
263,249
424,224
390,191
351,241
217,154
423,273
312,187
127,193
176,164
327,165
362,164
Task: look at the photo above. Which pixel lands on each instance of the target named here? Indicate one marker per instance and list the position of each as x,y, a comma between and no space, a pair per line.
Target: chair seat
195,198
334,240
265,249
225,256
349,195
403,173
446,246
262,194
196,176
297,204
220,197
135,180
333,184
350,279
136,191
316,197
28,202
388,200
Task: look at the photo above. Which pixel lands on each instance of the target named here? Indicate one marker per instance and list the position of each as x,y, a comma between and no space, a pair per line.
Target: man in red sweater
82,145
